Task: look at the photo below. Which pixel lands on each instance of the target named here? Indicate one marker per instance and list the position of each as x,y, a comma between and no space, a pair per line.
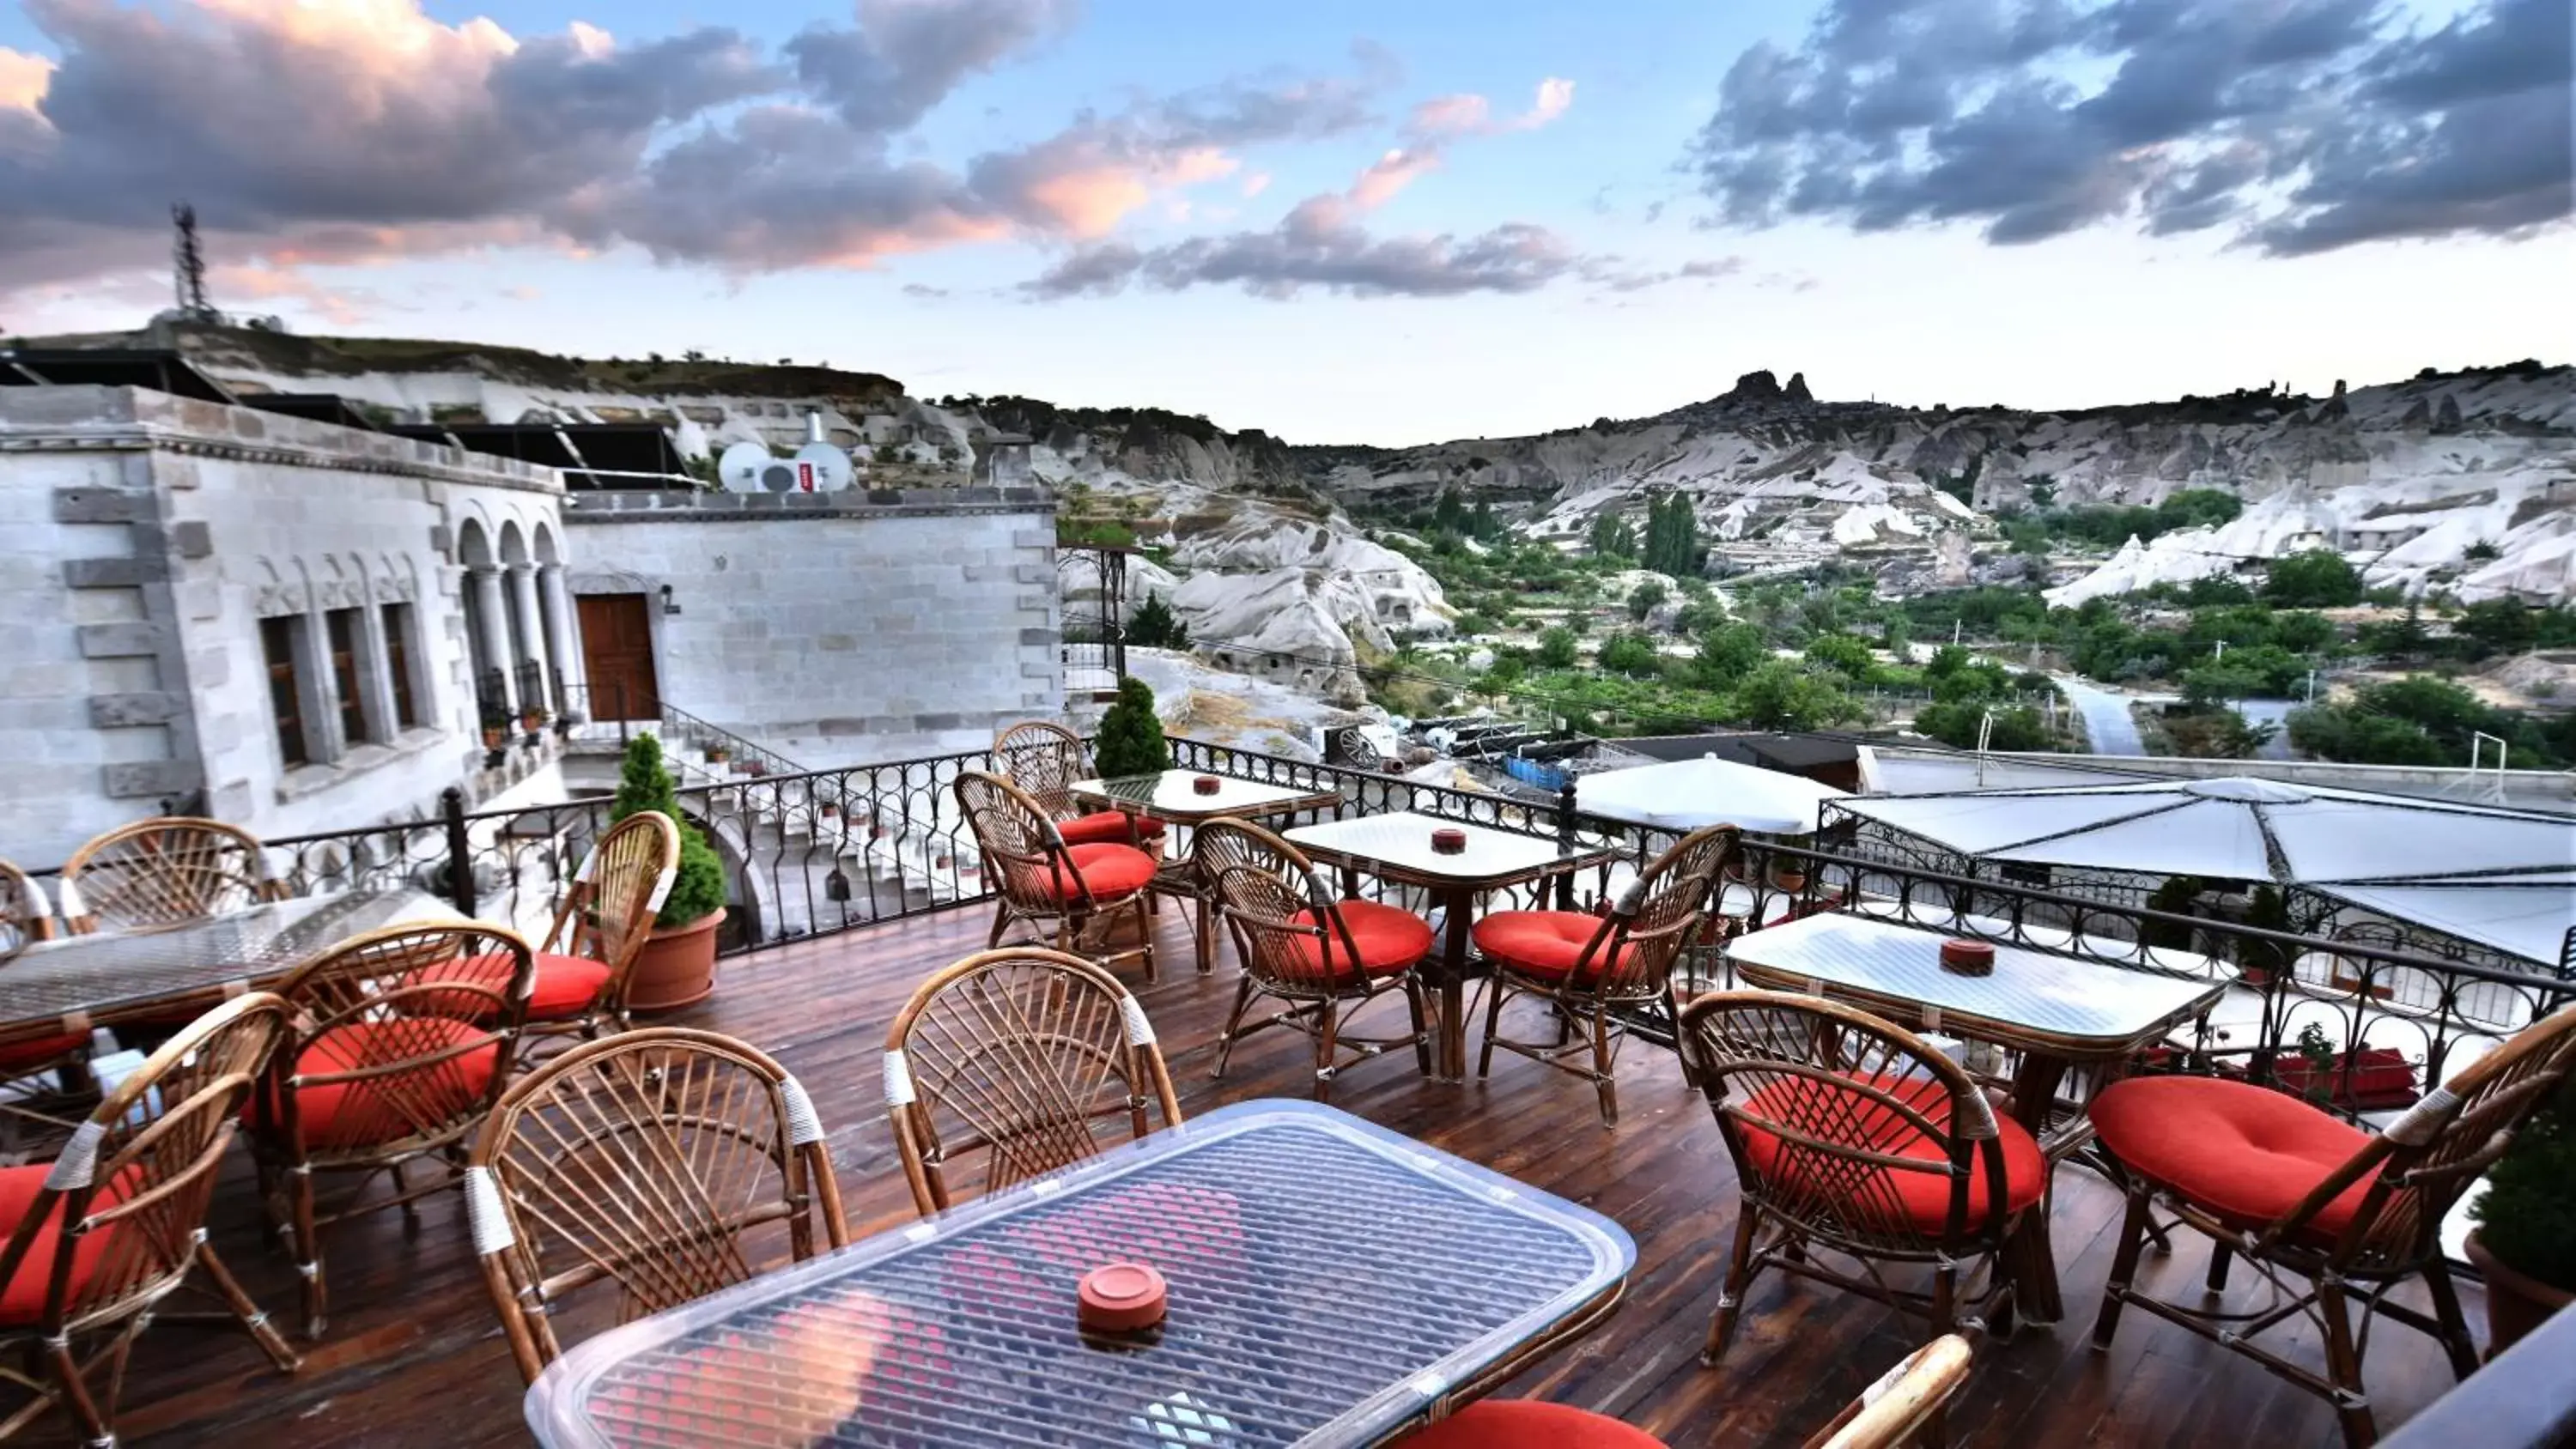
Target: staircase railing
683,733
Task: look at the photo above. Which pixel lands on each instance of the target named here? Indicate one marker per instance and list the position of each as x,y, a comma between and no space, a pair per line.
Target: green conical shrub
698,890
1131,735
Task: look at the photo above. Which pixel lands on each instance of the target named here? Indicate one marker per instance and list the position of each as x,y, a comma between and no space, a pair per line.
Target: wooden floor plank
415,1356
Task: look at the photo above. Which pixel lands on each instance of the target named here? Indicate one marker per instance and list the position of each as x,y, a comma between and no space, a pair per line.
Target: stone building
257,617
300,626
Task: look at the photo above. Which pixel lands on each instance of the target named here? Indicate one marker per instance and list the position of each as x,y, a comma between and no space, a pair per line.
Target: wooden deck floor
414,1355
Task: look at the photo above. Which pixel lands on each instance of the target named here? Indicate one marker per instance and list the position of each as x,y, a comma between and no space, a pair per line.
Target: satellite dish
821,468
741,466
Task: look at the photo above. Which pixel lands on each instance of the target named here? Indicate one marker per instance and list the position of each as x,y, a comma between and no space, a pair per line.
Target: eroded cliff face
2464,477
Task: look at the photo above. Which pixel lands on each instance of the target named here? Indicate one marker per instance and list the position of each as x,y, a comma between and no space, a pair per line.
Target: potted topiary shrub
1131,735
678,963
2525,1241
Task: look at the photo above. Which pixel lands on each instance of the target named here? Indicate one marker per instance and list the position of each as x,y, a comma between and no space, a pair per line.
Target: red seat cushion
564,988
395,1104
29,1055
1389,939
1107,827
22,1300
1544,944
1830,1112
1528,1424
2245,1153
1111,872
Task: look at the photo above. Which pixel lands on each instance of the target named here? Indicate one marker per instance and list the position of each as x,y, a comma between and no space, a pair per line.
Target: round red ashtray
1448,841
1968,958
1121,1298
1206,784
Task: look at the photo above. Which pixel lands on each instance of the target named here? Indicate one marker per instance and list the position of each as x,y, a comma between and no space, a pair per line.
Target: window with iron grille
285,699
397,619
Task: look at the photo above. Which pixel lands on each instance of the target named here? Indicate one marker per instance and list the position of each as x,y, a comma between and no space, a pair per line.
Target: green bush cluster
1131,735
2527,1217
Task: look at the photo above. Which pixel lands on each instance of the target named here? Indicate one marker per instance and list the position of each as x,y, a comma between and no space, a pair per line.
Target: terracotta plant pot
2516,1302
1789,878
677,966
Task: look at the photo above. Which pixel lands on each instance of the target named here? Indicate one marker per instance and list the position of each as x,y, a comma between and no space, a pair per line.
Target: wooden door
617,651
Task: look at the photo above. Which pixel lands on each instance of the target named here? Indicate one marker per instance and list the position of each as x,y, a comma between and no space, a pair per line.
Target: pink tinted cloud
23,79
1390,174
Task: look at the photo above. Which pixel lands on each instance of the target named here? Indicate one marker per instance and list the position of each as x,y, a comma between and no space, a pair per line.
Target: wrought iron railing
610,714
809,853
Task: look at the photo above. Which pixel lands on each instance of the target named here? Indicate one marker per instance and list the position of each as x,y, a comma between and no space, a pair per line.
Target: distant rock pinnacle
1798,389
1756,386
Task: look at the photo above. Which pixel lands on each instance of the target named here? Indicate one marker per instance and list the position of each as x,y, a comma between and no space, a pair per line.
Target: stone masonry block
192,540
113,573
152,777
116,641
99,505
1037,636
109,711
1033,574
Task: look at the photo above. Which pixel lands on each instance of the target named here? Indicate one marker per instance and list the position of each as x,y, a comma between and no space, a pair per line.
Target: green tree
1155,626
1131,735
1847,654
1643,599
1672,536
1613,537
1631,654
1556,648
2019,728
1449,515
1780,695
1727,653
643,783
2316,579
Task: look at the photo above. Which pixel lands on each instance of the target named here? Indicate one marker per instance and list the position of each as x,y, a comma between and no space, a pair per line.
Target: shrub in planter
1131,735
677,966
2525,1241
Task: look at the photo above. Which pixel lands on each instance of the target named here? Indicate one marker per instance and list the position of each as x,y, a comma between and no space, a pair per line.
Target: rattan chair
1023,1054
99,1237
404,1038
644,1159
162,872
1045,760
587,961
1323,958
2331,1217
1905,1405
26,918
1076,893
1593,969
1853,1136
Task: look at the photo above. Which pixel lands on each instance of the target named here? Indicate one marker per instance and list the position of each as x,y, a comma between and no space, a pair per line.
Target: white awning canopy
2527,916
1687,794
2232,828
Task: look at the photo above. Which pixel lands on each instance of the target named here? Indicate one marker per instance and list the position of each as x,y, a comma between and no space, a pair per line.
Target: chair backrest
26,917
1836,1118
620,886
645,1158
166,871
1895,1410
131,1187
1024,854
1631,956
1285,922
1025,1054
2419,1164
412,1026
1044,760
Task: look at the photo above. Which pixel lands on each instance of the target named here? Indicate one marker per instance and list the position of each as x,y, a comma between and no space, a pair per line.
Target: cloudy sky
1340,221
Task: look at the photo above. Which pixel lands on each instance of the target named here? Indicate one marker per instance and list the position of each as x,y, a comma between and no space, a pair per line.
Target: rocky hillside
2466,479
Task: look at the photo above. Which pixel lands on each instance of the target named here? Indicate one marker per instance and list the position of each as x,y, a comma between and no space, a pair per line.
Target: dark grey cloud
1321,246
2302,125
316,134
904,57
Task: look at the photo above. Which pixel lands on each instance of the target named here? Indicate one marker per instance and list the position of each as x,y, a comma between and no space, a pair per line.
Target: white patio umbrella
2232,828
1687,794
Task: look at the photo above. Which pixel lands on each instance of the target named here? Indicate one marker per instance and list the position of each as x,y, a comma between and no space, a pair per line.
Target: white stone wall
149,535
840,629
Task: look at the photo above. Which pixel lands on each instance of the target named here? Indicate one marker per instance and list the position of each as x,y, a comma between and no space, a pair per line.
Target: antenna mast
189,265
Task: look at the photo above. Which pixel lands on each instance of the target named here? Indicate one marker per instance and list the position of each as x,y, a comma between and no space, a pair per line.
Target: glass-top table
2057,1012
1172,797
1397,847
76,982
1330,1283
